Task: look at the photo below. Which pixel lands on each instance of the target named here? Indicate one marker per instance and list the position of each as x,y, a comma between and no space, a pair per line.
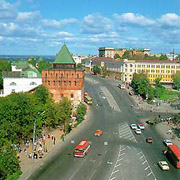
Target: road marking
147,168
99,163
106,151
139,152
115,171
141,157
93,174
149,173
121,154
129,147
112,178
117,165
144,162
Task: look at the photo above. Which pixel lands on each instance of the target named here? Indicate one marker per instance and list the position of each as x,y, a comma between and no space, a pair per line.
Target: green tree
41,94
9,163
126,55
66,112
81,112
117,56
4,66
96,70
176,80
79,65
157,81
104,72
177,57
163,57
43,65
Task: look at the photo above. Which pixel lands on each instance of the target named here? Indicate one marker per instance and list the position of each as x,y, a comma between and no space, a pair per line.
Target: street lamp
34,134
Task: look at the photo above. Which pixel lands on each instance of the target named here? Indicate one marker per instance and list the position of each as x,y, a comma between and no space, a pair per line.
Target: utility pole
34,135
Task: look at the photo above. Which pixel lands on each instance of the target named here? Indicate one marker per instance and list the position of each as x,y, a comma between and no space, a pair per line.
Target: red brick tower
64,79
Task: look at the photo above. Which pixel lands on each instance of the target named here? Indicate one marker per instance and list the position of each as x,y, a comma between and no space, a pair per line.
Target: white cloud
169,19
7,11
28,17
96,23
49,23
133,19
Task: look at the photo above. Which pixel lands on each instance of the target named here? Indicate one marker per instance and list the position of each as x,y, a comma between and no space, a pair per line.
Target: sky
41,27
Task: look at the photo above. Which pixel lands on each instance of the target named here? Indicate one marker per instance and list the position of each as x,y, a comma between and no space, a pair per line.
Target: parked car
138,131
133,126
98,132
149,139
163,165
167,142
141,126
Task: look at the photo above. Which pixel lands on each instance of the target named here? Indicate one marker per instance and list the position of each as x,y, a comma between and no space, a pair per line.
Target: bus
173,153
82,148
88,99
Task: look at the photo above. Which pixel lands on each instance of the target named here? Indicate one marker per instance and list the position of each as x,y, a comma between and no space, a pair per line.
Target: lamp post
34,135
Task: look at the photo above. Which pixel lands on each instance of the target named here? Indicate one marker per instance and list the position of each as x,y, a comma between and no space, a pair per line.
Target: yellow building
164,69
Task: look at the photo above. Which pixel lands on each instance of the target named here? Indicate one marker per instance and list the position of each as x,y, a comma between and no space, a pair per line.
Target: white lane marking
121,154
129,147
117,165
99,163
141,157
120,159
149,173
139,152
144,162
115,171
93,174
146,168
112,178
77,170
105,151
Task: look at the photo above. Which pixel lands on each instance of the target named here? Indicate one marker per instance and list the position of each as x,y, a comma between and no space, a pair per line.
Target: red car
149,139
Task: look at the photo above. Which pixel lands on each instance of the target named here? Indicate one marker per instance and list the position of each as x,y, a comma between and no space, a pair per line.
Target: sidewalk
163,128
141,105
29,166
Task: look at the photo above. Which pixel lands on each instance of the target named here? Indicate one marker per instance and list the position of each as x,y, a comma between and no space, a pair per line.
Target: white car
141,126
133,126
163,165
138,131
168,142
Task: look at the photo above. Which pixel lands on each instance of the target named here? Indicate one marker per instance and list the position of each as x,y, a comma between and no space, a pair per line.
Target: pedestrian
52,136
25,152
54,140
63,139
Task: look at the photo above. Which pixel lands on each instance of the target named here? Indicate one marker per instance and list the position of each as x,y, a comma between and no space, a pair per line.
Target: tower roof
64,56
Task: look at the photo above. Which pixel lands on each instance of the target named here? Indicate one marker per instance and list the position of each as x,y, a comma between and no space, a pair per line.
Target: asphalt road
119,153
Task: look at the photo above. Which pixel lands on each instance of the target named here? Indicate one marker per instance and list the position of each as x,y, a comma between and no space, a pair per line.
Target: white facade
19,84
13,67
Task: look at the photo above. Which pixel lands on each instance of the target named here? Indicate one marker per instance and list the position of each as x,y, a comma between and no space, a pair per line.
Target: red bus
173,153
82,148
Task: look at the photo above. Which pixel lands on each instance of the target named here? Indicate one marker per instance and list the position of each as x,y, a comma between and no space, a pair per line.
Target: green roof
64,56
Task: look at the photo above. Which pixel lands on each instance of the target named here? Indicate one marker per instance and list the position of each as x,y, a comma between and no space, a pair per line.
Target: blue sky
40,27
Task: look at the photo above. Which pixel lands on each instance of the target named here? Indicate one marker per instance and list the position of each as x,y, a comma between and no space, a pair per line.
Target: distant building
64,79
153,69
23,78
110,52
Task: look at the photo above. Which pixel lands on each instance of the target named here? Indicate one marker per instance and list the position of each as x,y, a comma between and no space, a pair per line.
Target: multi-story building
110,52
64,79
153,68
23,78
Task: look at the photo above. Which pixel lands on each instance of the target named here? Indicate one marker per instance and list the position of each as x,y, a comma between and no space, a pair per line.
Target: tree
178,57
141,85
41,94
104,72
176,80
96,70
43,65
79,65
81,112
157,81
117,56
66,112
163,57
4,66
126,55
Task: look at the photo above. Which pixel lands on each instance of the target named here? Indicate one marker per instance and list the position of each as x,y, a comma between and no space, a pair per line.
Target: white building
21,81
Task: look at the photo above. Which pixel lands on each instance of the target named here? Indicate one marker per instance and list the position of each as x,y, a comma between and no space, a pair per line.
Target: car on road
98,132
141,126
149,139
167,142
138,131
133,126
163,165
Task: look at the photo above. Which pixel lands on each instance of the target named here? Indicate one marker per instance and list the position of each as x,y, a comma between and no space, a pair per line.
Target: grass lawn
168,95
